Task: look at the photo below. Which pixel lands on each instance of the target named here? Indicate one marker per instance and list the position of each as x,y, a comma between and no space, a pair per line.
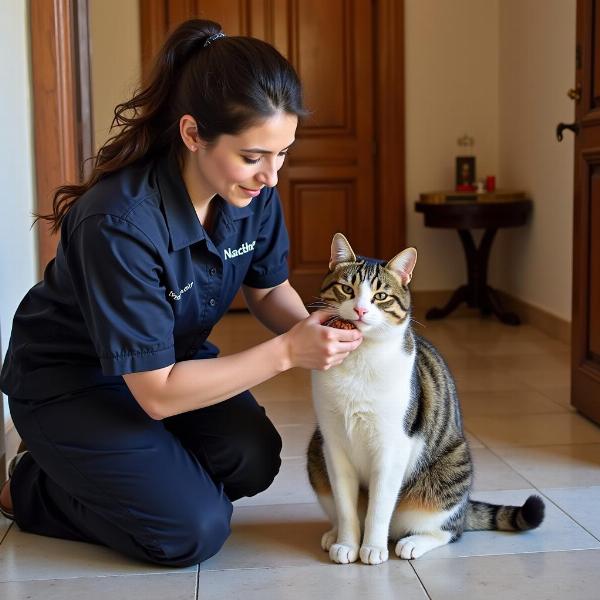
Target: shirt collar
182,221
183,224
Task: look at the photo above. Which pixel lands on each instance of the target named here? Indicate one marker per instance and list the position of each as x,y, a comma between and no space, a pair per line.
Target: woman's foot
6,505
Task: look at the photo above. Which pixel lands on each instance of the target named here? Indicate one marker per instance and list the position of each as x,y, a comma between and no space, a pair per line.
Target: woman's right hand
310,345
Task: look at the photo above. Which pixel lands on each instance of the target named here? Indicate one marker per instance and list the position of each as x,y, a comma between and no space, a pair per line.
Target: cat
389,458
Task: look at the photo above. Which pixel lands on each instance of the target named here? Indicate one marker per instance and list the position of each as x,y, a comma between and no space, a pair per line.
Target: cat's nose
360,311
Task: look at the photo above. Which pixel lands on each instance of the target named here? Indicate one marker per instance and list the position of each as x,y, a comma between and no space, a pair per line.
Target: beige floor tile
557,532
284,535
533,430
561,395
511,347
291,486
522,401
541,378
491,473
295,440
486,380
24,556
484,330
581,504
544,576
467,361
291,386
474,441
149,587
289,413
556,466
350,582
546,360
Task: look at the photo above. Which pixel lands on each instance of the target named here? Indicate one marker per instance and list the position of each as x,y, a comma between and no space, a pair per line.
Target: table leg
477,293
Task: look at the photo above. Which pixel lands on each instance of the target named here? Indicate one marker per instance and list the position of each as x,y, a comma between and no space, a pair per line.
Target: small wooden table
463,212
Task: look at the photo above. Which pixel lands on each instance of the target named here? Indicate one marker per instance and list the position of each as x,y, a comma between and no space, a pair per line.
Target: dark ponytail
227,85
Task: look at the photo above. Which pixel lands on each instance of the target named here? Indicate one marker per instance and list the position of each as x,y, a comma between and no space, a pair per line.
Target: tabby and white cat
389,458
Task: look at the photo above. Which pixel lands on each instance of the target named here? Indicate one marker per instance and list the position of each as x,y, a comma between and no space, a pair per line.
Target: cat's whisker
419,322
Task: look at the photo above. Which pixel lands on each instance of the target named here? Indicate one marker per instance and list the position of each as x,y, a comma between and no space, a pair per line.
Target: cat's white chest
361,406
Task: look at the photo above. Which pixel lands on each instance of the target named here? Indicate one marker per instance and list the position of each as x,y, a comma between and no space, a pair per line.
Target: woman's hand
310,345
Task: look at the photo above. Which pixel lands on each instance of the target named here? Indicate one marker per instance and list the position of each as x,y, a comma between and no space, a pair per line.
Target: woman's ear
188,129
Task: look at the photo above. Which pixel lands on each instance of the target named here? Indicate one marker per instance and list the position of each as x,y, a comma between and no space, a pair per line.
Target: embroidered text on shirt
245,247
181,292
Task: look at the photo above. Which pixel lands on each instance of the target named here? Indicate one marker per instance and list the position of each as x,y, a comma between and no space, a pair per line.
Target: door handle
574,127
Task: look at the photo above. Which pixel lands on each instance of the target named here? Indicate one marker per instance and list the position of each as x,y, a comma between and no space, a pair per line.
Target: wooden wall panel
328,83
333,203
593,305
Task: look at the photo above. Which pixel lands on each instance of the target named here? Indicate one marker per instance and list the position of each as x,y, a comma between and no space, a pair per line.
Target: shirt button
212,271
212,301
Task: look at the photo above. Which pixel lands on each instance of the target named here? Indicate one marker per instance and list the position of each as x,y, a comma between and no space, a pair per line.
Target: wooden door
327,184
585,383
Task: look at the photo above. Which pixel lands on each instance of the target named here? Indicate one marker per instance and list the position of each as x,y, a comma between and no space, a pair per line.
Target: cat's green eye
380,296
347,289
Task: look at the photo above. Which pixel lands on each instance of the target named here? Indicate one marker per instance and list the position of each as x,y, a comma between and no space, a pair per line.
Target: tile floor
514,385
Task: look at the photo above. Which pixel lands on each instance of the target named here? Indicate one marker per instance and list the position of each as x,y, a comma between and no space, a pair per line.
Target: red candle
490,183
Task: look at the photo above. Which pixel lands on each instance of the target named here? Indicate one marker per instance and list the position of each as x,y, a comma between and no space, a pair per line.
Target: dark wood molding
390,176
153,27
59,118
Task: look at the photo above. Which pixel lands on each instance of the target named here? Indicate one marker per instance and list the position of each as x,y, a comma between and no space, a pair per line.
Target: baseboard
550,324
546,322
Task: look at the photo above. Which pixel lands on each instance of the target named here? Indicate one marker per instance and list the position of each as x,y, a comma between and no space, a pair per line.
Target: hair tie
213,37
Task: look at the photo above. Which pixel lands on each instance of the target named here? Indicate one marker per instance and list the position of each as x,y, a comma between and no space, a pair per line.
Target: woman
138,436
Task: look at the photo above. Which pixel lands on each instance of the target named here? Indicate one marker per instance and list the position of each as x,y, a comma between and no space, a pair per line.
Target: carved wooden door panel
327,183
585,372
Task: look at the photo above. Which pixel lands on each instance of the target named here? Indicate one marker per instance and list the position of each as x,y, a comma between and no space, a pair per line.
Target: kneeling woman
139,436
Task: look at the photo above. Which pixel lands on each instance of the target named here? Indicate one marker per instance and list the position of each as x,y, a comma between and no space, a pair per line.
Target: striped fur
390,458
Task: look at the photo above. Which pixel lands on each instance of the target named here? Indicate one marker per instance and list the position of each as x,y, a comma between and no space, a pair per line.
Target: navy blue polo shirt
137,283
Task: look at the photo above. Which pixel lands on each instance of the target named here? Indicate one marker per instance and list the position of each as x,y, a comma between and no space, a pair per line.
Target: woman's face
237,167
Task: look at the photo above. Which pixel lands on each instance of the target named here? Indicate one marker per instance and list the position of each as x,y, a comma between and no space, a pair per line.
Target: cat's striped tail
481,515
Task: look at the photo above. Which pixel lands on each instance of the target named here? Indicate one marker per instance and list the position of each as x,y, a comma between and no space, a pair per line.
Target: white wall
18,253
537,67
115,59
451,89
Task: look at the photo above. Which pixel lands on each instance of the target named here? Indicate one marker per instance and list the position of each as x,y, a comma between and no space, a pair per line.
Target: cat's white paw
329,537
343,554
373,555
412,547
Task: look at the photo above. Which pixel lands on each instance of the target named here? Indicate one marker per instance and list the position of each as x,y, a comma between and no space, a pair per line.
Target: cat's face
374,296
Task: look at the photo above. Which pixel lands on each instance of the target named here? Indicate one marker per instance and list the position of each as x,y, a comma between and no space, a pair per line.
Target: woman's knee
259,461
191,539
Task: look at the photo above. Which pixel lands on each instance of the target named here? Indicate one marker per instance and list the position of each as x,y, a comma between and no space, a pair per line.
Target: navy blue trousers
100,470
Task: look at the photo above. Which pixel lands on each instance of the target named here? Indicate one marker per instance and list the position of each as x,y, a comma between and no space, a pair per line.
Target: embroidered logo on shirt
245,247
175,296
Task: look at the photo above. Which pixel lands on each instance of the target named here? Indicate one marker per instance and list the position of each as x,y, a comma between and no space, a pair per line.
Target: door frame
62,127
61,94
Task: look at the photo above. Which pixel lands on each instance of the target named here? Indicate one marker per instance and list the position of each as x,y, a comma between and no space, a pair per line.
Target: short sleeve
116,274
269,265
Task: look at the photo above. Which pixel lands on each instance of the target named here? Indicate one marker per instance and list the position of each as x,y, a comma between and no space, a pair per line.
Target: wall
18,252
537,67
498,70
115,59
451,89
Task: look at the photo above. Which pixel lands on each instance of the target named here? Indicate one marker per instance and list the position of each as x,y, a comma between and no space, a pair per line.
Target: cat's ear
341,251
403,264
